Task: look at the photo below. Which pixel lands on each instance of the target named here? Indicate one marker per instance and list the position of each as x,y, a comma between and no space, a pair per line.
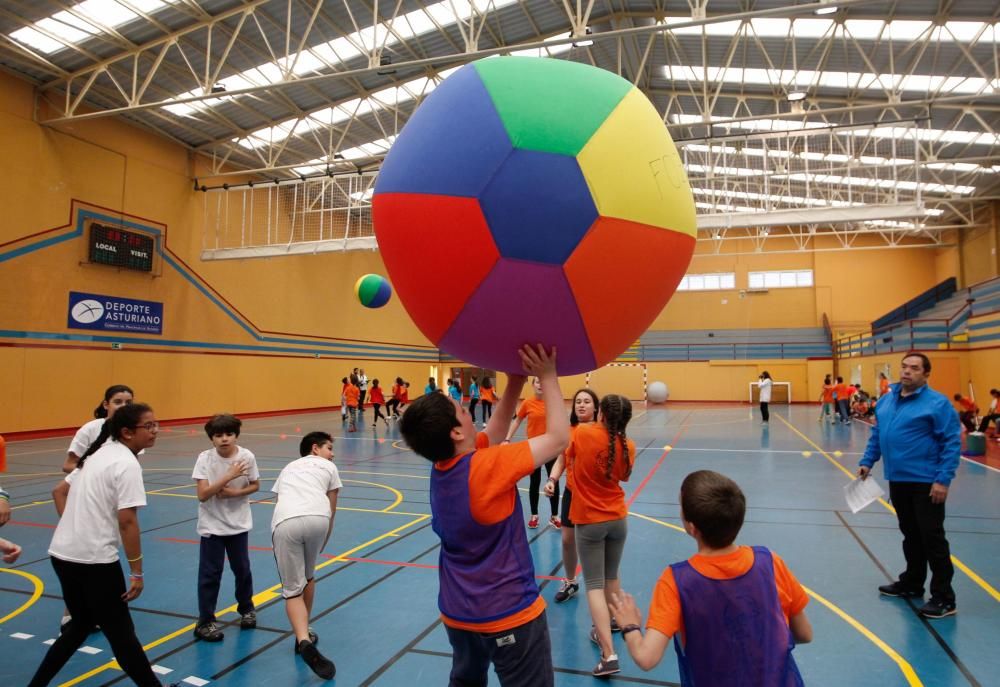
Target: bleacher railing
915,306
730,351
929,333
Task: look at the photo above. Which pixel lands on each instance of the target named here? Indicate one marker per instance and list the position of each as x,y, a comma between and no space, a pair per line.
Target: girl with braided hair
600,457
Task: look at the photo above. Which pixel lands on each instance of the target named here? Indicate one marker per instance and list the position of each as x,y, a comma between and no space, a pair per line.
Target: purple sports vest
486,571
735,631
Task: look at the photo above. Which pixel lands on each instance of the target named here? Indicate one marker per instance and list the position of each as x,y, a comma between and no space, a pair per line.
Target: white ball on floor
657,392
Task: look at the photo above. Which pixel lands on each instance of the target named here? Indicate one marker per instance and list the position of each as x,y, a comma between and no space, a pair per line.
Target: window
780,279
708,282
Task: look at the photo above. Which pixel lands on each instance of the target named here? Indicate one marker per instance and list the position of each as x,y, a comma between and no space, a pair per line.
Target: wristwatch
629,628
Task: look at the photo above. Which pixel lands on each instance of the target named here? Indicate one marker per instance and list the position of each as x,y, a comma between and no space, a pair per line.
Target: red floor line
663,456
30,524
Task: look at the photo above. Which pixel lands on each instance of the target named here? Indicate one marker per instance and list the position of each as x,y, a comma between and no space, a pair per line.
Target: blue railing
913,307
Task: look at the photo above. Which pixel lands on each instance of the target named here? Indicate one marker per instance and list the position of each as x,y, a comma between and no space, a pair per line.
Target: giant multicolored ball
534,200
372,290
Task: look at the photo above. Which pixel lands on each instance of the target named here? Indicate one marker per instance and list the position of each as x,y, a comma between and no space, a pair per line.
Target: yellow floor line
986,586
39,587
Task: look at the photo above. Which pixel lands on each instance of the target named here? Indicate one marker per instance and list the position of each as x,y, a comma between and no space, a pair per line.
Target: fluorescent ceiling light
796,96
826,10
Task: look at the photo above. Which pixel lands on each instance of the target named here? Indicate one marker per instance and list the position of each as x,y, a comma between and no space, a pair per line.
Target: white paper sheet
861,492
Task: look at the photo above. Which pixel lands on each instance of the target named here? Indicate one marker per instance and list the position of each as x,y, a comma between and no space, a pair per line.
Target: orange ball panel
622,274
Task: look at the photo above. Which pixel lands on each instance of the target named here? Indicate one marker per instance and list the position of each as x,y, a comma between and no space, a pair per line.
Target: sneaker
607,666
555,522
935,608
568,590
533,523
248,621
319,663
208,632
313,639
896,589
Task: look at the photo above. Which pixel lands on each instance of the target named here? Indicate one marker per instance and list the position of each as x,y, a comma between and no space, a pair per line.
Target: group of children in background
848,401
496,619
353,397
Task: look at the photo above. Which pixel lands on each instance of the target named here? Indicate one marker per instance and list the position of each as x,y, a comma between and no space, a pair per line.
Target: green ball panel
369,287
553,106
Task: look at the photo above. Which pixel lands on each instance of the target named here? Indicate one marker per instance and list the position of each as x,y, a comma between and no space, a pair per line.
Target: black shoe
248,621
313,639
606,666
319,663
568,590
208,632
896,589
935,608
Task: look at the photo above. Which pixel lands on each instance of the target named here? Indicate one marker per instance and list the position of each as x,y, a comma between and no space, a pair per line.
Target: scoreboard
117,247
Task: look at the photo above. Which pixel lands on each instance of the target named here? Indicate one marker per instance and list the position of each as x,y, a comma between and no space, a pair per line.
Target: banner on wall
111,313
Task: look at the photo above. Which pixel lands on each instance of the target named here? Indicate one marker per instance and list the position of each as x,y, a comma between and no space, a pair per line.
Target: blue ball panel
381,296
452,145
538,206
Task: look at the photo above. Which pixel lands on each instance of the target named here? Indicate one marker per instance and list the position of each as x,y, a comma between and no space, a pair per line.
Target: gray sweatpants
297,543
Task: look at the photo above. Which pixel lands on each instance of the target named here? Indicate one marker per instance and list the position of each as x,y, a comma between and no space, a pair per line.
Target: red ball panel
437,249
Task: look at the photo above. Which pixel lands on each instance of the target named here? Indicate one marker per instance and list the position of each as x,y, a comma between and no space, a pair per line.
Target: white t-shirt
765,391
363,382
302,489
85,436
225,516
110,481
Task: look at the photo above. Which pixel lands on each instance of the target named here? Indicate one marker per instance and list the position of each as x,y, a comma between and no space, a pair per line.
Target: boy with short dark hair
304,510
226,475
732,610
495,617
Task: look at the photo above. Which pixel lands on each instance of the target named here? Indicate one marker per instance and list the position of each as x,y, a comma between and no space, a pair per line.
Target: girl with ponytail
600,456
114,398
101,509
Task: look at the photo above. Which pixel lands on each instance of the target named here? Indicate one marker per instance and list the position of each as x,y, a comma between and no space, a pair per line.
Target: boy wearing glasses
226,475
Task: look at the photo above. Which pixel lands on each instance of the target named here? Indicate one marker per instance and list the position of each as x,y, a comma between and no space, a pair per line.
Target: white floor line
982,465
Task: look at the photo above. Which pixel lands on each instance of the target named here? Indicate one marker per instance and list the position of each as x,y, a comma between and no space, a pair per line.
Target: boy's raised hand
624,610
536,362
238,468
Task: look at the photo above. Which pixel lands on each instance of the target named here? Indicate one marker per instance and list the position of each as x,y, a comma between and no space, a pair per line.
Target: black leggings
93,596
392,406
378,412
472,408
764,413
536,482
487,410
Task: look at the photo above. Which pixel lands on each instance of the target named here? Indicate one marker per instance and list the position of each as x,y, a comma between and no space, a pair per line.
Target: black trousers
924,542
211,563
392,406
765,414
361,399
986,422
487,410
534,485
472,408
378,412
521,656
93,596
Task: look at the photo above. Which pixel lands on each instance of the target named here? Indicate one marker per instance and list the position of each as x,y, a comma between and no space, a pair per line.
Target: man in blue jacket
918,436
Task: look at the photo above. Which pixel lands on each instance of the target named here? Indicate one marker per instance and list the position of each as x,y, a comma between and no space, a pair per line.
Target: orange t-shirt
851,390
493,477
534,410
665,609
404,395
828,393
487,394
351,395
397,390
568,467
841,391
883,387
595,497
967,404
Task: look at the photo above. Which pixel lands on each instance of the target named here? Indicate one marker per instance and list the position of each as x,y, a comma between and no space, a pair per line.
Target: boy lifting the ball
226,475
488,597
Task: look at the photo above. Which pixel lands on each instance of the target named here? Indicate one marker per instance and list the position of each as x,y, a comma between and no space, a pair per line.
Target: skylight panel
106,12
34,38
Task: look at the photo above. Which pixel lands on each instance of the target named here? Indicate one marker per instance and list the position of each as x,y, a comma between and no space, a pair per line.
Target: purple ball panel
518,303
